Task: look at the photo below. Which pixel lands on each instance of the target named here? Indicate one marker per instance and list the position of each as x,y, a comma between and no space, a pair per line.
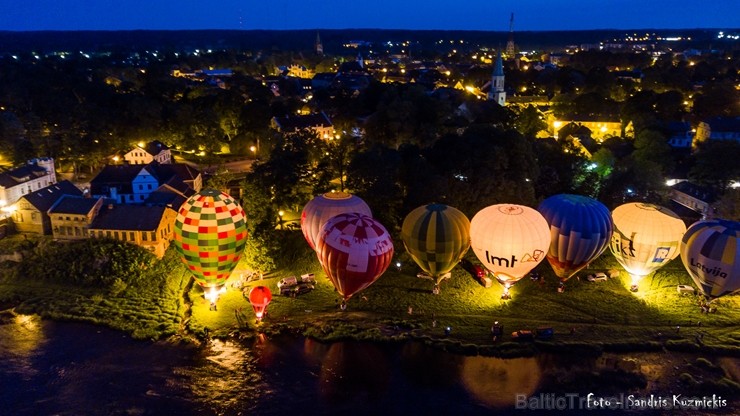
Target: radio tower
510,48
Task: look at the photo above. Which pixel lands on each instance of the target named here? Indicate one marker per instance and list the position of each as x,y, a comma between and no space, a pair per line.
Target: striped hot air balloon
710,252
210,235
354,251
510,240
645,238
580,230
318,210
436,236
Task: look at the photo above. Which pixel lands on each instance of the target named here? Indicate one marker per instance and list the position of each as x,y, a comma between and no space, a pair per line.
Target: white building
14,183
153,151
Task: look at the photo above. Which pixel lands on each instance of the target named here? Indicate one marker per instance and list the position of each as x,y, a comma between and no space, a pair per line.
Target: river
62,368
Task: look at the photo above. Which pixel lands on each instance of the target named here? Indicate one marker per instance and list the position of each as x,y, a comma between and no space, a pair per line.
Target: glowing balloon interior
436,236
260,297
645,238
210,235
580,230
354,251
509,240
711,254
318,210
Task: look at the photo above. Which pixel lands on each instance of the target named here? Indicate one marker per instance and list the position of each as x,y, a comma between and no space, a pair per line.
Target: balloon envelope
646,237
510,240
260,297
436,236
580,230
354,250
318,210
710,252
210,235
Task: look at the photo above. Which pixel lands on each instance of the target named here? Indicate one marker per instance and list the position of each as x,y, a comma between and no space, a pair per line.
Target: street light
280,218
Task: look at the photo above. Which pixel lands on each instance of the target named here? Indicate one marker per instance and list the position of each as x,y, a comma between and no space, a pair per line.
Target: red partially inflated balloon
354,250
260,297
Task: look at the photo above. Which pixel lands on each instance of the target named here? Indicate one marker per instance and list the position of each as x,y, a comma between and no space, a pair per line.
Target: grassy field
589,316
593,316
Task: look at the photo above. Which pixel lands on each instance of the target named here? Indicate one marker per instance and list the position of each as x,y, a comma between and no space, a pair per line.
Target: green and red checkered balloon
210,235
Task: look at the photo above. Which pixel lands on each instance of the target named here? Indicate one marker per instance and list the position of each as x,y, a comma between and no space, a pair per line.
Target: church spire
497,92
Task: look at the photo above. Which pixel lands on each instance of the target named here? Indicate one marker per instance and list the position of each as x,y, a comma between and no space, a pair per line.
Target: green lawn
588,316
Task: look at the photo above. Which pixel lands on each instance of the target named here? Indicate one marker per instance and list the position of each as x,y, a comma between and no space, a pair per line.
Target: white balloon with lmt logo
509,240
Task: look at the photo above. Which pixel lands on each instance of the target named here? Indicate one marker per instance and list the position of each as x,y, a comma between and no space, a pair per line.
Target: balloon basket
343,305
435,290
634,288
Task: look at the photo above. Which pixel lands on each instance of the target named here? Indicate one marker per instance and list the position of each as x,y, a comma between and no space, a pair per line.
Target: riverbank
588,317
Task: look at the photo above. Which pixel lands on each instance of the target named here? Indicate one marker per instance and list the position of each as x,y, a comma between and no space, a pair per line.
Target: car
597,277
522,335
297,289
308,278
477,271
685,289
544,332
287,282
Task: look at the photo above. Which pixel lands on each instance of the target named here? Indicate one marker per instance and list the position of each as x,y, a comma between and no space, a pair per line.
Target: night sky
383,14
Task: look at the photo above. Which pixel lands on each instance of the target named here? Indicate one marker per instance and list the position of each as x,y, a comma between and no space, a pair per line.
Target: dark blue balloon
580,230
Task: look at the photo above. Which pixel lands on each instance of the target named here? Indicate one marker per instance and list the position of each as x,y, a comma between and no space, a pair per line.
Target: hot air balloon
580,230
645,238
436,236
510,240
354,251
210,235
260,297
318,210
710,252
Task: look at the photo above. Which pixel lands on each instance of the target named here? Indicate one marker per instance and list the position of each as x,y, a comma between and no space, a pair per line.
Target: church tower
497,92
318,47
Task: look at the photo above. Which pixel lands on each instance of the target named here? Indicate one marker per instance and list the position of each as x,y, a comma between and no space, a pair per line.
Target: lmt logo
500,260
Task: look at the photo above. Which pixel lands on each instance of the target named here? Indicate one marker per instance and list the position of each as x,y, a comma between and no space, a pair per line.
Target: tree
373,175
529,122
716,164
652,146
728,206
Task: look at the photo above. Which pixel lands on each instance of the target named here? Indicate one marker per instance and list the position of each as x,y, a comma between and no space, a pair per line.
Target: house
318,123
694,197
16,182
148,227
72,215
169,173
717,128
132,184
601,128
680,135
125,184
153,151
31,216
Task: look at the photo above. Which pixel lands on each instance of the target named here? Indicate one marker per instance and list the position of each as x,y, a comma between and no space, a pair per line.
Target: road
235,166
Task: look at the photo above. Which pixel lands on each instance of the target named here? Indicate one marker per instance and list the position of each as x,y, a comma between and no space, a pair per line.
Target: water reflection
19,338
496,381
353,371
428,367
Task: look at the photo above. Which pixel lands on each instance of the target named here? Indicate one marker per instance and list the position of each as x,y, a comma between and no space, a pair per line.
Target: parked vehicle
308,278
297,289
522,335
597,277
544,332
477,271
287,282
685,289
